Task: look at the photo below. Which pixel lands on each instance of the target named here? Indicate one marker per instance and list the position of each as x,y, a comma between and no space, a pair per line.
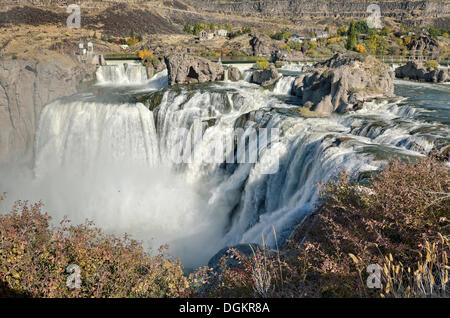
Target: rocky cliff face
25,88
331,8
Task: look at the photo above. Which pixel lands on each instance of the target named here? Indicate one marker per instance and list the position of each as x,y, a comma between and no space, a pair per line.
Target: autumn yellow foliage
360,48
145,53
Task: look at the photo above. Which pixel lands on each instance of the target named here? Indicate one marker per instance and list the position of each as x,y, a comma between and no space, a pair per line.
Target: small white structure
90,48
322,35
206,35
222,32
297,38
124,46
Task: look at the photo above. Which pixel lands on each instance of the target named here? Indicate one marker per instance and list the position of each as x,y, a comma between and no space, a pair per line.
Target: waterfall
284,85
83,133
113,162
121,74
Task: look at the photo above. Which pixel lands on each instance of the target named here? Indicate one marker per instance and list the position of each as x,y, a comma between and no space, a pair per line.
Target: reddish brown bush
34,258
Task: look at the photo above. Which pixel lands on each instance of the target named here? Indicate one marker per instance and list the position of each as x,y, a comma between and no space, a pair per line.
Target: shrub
342,31
333,40
262,64
296,46
187,29
285,34
431,64
34,258
312,45
377,44
385,31
360,48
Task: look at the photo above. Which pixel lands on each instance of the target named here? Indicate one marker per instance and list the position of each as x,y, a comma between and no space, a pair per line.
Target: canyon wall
328,8
25,88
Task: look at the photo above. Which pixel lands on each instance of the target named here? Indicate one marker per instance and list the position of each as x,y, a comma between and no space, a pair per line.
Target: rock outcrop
25,88
417,71
425,44
343,82
266,77
262,45
184,68
285,55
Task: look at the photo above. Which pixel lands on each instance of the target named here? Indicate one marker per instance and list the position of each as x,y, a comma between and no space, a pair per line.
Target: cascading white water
81,133
112,163
120,74
284,85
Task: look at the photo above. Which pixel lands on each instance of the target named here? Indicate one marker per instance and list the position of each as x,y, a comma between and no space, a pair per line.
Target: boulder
234,74
266,77
184,68
417,71
343,82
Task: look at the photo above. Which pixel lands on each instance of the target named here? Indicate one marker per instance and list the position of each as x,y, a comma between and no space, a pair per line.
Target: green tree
197,28
211,27
361,27
187,28
351,37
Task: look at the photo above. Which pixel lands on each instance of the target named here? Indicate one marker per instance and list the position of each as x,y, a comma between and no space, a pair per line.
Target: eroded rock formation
417,71
425,45
184,68
262,45
343,82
